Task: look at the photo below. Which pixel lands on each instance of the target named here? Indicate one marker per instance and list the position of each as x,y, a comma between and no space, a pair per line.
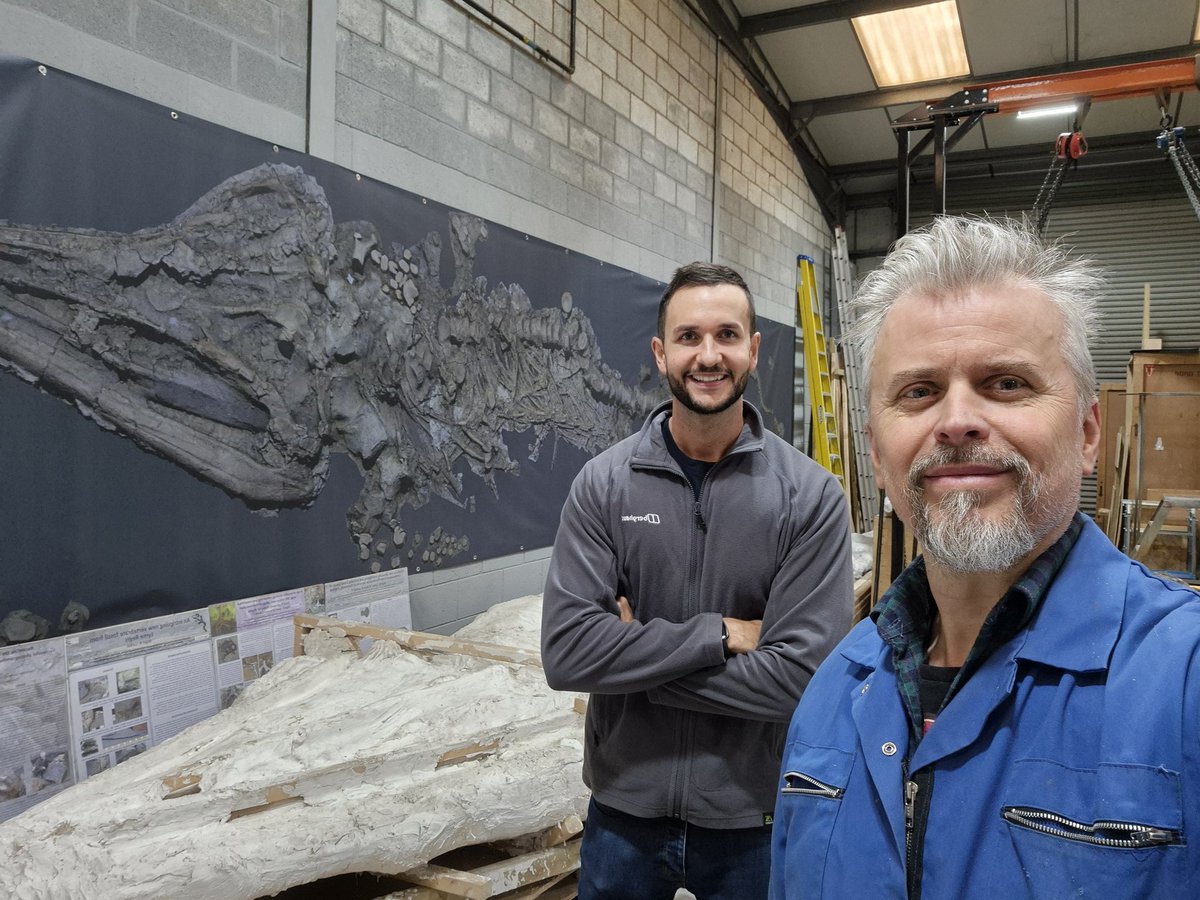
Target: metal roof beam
1040,153
932,91
819,14
1158,79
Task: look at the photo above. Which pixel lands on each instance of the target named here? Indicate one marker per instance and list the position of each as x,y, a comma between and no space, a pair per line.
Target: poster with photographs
34,735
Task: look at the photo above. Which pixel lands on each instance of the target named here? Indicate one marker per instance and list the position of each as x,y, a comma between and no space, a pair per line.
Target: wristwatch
725,639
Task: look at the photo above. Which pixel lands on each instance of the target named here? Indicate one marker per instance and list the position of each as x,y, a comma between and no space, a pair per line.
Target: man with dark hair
700,573
1020,716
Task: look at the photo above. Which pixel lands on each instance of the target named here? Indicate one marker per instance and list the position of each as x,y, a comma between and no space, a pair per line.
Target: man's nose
961,418
709,354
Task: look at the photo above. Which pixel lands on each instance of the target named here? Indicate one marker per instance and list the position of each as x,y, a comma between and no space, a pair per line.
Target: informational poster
250,636
35,741
111,706
132,686
74,707
378,600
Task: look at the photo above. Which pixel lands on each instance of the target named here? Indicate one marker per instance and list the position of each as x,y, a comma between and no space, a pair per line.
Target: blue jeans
626,857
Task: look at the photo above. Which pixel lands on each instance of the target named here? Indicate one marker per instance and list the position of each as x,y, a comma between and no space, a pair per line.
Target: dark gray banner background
87,515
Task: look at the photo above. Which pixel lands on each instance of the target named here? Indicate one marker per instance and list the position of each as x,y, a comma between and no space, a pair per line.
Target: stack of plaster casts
328,764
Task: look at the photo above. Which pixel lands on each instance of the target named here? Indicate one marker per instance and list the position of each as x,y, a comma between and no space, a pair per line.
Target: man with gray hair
1020,716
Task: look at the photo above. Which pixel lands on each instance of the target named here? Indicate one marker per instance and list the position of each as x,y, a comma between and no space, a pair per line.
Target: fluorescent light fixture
919,43
1039,112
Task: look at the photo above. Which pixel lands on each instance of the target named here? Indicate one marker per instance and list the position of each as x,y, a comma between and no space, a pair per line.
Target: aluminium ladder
843,282
826,445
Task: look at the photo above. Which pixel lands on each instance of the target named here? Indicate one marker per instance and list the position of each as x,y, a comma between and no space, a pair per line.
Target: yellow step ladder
826,446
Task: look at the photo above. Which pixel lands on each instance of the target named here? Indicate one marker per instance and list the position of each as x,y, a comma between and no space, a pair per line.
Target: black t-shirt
935,684
694,469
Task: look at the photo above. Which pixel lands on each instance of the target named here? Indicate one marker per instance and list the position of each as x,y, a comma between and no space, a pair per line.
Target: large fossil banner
227,368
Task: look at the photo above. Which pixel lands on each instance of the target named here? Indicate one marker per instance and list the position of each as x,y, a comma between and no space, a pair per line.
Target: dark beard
679,392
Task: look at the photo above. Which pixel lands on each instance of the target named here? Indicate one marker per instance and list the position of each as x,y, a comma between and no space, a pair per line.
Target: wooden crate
1162,420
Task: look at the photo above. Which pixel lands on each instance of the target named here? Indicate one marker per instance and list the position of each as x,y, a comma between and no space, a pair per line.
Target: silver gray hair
955,253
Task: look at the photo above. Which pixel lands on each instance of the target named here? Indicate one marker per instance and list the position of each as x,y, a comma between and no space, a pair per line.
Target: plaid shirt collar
904,617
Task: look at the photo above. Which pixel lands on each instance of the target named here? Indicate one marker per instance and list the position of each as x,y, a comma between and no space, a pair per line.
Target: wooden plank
417,893
567,890
417,641
180,785
275,798
546,889
1119,490
531,868
454,882
862,597
523,877
468,752
1112,421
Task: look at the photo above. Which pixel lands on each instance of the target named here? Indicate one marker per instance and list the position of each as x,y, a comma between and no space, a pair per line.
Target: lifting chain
1171,140
1067,149
1045,197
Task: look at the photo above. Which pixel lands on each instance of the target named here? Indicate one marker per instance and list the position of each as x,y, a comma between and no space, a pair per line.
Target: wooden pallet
542,865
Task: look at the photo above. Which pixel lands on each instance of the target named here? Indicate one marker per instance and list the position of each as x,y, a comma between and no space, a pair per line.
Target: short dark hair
699,274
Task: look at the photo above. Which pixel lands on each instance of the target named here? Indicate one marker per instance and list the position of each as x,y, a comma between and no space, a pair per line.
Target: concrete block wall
239,64
619,160
615,161
769,214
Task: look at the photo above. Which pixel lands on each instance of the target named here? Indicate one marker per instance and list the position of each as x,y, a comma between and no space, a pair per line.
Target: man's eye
920,392
1009,384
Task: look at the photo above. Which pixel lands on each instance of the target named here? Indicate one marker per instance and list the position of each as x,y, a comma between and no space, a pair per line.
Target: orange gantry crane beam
1159,78
1146,79
1111,83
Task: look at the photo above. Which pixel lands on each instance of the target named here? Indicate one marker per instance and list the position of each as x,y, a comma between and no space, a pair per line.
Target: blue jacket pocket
1111,831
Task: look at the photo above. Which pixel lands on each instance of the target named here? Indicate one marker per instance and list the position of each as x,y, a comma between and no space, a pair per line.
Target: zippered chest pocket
1113,834
802,783
1112,831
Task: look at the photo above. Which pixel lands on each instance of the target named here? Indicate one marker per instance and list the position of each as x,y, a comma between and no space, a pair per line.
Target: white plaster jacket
673,728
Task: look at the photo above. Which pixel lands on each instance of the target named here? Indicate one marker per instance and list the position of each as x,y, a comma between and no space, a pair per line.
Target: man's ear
879,480
1091,438
660,354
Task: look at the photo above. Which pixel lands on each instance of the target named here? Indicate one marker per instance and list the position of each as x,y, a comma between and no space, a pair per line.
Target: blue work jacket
1068,765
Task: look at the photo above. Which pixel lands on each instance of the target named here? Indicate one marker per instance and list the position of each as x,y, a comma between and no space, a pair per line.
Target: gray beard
960,539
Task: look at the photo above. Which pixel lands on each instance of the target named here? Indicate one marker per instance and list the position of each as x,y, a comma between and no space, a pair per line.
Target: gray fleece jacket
673,728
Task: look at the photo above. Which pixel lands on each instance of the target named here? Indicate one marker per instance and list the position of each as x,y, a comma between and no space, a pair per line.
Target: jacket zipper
918,794
1132,835
682,766
910,809
799,783
699,511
